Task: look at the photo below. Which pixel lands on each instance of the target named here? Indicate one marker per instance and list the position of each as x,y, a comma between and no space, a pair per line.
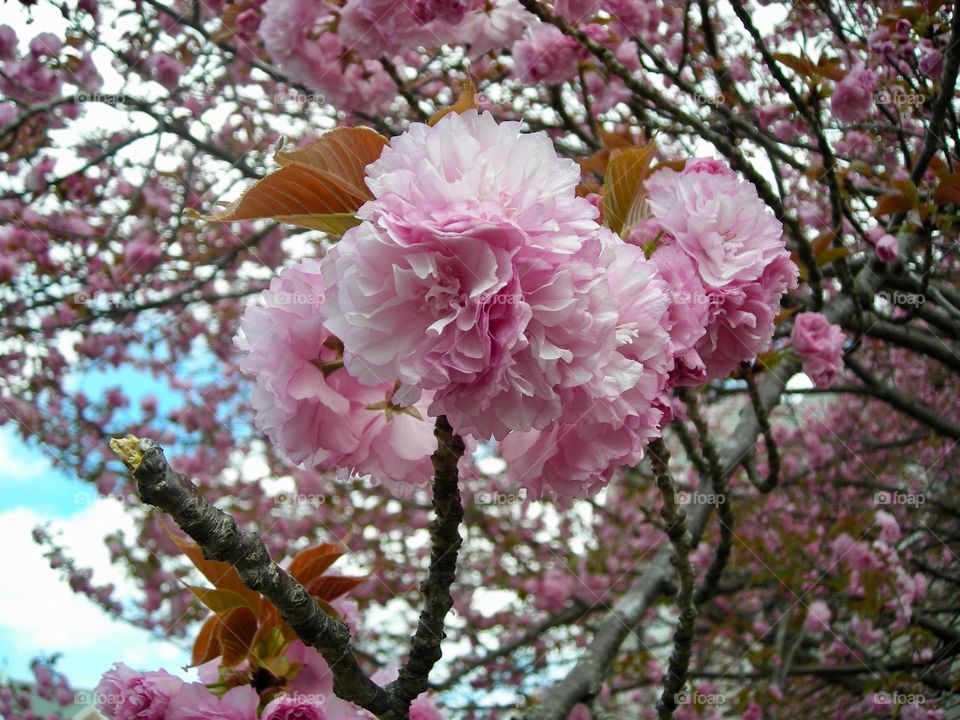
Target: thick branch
220,538
908,406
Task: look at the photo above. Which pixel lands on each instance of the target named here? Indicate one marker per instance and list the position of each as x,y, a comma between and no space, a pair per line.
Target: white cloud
18,463
41,615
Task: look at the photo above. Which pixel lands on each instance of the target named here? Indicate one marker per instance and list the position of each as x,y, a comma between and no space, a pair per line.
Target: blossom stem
718,480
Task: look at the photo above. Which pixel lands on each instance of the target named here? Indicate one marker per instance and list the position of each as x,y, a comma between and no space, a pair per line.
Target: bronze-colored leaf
293,194
831,254
801,66
823,241
238,627
221,574
623,185
948,191
466,101
207,645
217,600
309,564
892,203
344,153
330,587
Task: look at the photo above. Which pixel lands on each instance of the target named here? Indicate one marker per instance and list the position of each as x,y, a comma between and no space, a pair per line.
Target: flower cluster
480,286
723,254
335,48
317,413
125,694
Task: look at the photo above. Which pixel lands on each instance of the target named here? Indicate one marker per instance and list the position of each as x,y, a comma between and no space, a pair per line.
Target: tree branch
682,541
220,538
445,541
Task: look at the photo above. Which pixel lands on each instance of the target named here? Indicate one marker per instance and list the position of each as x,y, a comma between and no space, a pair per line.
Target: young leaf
307,565
466,101
237,630
207,646
217,600
831,254
908,190
623,184
892,203
221,574
343,153
331,587
296,194
948,191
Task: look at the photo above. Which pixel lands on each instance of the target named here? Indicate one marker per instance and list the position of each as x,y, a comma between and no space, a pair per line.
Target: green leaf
217,600
831,254
333,223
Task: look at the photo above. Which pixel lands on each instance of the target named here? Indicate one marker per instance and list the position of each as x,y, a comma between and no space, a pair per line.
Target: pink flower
140,255
424,708
8,42
45,45
931,63
196,702
890,531
291,31
550,593
248,21
546,55
887,248
818,617
740,322
310,406
608,421
717,219
124,694
36,179
495,25
634,17
448,11
688,313
820,345
853,95
294,707
166,70
297,35
474,274
577,10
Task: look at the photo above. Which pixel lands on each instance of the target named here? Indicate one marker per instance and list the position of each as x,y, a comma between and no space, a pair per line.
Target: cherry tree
609,347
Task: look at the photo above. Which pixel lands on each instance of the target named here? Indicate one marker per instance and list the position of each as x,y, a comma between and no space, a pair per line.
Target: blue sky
39,614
